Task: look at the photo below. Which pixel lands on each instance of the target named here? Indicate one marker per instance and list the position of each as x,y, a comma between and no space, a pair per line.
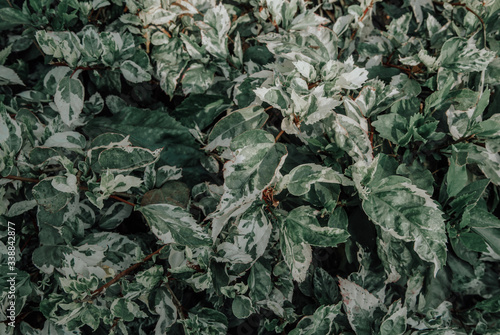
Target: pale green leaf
69,98
174,224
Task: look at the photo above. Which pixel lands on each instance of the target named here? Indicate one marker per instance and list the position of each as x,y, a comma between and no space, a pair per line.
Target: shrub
250,167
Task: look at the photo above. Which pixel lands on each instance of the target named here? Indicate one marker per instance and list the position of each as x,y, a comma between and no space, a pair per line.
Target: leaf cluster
250,166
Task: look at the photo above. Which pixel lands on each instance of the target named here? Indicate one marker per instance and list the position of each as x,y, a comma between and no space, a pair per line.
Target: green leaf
325,288
257,159
69,98
165,308
11,141
174,224
302,226
322,322
49,197
9,77
67,139
197,79
301,178
251,237
462,55
352,137
394,323
133,72
235,123
298,256
361,306
242,307
215,26
125,309
409,214
205,321
14,16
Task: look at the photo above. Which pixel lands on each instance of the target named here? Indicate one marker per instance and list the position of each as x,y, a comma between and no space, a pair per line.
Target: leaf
9,77
394,323
488,162
197,79
69,98
215,26
113,215
409,214
172,192
21,207
246,179
11,141
235,123
251,238
67,139
352,138
165,308
302,177
151,129
460,55
205,321
121,159
242,307
298,256
49,197
14,16
361,306
302,226
171,223
125,309
320,323
325,288
133,72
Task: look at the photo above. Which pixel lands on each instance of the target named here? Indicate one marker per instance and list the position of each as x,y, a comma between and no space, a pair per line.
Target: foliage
251,166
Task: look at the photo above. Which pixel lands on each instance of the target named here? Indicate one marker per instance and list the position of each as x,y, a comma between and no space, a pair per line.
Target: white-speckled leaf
408,214
69,99
302,177
360,306
257,158
174,224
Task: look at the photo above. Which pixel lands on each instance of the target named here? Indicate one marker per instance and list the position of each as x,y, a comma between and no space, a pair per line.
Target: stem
279,135
125,272
122,200
458,4
177,303
28,180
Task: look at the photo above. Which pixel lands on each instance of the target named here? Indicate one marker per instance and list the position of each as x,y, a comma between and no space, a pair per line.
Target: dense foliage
250,166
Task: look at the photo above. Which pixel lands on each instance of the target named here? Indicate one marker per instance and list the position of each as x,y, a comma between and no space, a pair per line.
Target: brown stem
28,180
279,135
122,200
177,303
125,272
366,11
458,4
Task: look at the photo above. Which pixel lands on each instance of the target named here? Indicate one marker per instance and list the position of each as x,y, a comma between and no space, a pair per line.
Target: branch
28,180
458,4
177,303
124,273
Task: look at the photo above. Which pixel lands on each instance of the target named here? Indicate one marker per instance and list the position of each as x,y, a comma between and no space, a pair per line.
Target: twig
124,273
28,180
177,303
459,4
122,200
279,135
